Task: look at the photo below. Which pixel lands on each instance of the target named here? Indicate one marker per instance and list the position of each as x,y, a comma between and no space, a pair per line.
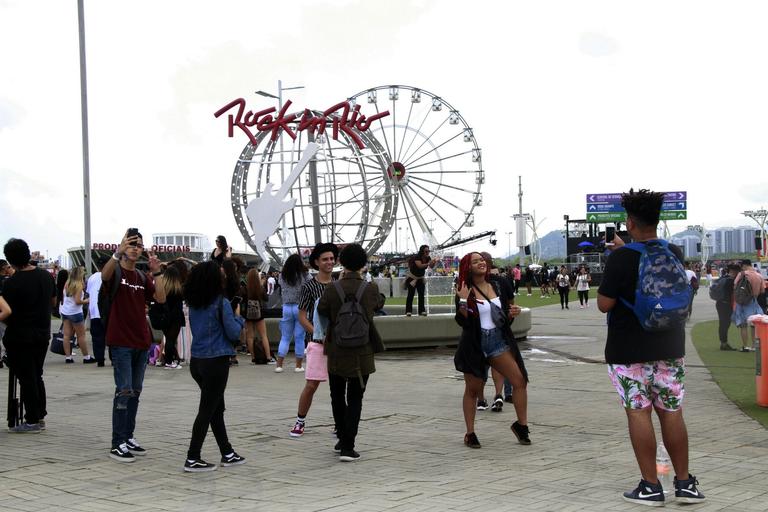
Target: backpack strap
360,291
340,291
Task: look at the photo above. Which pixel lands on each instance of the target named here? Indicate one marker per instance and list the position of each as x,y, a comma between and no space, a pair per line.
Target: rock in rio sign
263,121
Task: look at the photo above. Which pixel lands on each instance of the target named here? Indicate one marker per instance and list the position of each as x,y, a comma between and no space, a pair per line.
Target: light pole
84,128
509,245
760,217
312,165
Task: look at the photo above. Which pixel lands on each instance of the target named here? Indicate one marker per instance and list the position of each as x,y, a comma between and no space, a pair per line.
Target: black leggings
171,334
724,312
583,297
564,295
26,358
211,376
419,288
347,405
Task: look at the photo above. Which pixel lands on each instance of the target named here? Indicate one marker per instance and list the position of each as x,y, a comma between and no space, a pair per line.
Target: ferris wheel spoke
426,139
437,196
435,148
405,131
429,205
381,124
422,224
372,194
443,185
441,159
416,133
471,171
394,127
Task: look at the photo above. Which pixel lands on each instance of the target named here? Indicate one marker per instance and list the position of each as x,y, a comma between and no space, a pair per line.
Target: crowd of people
329,320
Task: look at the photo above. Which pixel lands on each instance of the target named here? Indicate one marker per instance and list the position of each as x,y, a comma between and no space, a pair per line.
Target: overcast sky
576,97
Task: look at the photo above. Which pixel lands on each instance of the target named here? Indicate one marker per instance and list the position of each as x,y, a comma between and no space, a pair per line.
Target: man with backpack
747,286
351,341
646,293
124,293
721,291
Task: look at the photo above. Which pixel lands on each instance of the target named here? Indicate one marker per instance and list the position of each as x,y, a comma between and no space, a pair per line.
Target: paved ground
410,440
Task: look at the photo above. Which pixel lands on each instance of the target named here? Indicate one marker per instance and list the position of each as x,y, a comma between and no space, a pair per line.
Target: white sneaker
278,369
300,369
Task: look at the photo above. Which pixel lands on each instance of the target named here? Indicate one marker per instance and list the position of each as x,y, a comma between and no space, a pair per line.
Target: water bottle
664,469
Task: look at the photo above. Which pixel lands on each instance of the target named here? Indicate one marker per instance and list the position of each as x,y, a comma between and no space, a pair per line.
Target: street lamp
279,99
759,216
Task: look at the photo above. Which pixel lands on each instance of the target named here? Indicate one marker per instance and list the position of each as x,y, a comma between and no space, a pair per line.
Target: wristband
115,257
462,301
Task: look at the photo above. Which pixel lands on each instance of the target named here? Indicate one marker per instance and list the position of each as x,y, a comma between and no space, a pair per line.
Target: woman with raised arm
485,313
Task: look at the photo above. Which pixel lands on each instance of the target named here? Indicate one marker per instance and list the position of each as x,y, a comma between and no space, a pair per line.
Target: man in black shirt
646,368
30,292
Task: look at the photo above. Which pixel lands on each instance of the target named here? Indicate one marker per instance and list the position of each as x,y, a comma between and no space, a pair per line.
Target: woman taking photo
71,311
174,303
414,281
582,287
215,327
254,317
484,312
291,279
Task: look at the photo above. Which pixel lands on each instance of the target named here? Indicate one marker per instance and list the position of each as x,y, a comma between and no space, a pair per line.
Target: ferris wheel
345,196
435,162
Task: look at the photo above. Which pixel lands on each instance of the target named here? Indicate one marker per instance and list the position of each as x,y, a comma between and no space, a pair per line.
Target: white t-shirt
690,274
93,287
484,311
563,281
69,306
270,285
582,282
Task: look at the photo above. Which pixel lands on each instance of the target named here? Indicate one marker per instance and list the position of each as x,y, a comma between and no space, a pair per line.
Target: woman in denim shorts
71,311
485,343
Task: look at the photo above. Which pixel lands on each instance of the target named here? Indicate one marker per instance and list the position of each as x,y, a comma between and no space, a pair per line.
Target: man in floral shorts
646,368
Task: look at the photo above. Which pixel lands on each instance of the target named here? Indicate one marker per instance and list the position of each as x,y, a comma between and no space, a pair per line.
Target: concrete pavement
410,439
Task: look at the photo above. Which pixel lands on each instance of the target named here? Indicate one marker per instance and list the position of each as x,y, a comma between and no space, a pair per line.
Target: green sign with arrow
622,216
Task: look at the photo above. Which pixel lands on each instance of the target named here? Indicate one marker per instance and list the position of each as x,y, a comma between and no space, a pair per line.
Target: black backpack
742,293
351,327
718,290
106,298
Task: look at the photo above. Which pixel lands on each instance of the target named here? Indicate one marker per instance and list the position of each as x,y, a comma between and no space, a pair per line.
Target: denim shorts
492,343
77,318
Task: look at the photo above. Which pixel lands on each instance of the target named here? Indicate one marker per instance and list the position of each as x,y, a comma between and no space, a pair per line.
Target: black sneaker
198,466
508,399
349,456
686,491
134,447
498,404
337,447
482,405
121,454
232,459
69,360
471,440
90,360
646,493
521,433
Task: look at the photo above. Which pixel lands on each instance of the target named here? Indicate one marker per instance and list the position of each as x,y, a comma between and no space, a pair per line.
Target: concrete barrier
400,331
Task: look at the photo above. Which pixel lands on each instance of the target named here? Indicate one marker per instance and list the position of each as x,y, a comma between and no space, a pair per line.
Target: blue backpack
663,294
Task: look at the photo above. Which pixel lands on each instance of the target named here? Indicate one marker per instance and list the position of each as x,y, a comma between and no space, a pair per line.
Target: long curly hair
204,284
465,279
294,270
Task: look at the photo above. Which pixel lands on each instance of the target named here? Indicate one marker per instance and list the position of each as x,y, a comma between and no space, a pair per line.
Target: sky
575,98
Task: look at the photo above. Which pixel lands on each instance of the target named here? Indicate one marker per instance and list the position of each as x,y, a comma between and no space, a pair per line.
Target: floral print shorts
658,383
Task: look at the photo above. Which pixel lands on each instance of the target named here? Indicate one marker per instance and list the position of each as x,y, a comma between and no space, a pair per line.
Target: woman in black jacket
485,341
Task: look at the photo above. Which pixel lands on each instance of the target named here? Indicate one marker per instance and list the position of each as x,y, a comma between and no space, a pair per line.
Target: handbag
253,310
57,341
498,316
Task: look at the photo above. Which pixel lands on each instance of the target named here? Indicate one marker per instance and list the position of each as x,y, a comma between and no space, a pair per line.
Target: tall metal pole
282,168
314,193
84,121
521,253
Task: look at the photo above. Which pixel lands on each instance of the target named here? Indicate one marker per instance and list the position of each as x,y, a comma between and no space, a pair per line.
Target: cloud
756,193
597,45
10,113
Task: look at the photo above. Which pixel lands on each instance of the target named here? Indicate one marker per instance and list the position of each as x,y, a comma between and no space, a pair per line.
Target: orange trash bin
761,362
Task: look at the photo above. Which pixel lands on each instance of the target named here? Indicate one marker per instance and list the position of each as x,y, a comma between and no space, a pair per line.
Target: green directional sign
673,215
607,217
622,216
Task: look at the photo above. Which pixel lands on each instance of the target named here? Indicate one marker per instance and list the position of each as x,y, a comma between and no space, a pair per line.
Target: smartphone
236,300
610,234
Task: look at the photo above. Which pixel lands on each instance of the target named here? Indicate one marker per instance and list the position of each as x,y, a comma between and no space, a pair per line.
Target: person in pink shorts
322,259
